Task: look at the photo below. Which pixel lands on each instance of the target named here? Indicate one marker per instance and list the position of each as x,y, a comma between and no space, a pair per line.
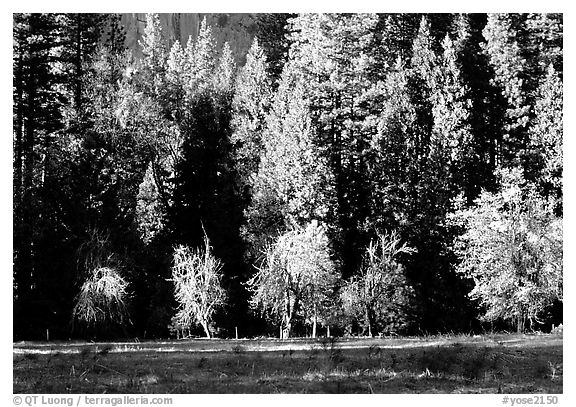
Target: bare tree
197,277
380,291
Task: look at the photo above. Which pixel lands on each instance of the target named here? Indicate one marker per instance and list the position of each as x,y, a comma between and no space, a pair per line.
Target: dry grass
507,364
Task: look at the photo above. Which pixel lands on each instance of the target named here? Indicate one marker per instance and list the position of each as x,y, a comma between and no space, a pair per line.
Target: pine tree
424,60
271,31
435,121
509,66
81,33
249,109
391,166
205,195
451,138
546,135
488,105
175,81
544,42
397,34
154,54
52,55
36,114
151,103
225,73
333,52
292,186
200,61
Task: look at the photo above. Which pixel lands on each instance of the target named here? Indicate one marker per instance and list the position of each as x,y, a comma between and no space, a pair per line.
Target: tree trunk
25,253
18,162
287,327
206,329
369,322
314,328
314,322
78,63
520,323
18,131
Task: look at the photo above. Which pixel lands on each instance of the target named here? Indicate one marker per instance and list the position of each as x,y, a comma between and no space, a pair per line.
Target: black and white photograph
287,203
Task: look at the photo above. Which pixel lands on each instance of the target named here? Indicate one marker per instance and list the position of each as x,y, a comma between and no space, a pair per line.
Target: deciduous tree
379,296
511,247
197,277
296,274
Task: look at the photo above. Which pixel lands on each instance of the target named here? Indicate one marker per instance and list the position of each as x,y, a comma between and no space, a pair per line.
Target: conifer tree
271,31
292,186
451,138
205,194
544,42
390,156
397,34
546,134
36,114
200,62
509,66
151,103
225,72
333,52
154,55
175,81
250,106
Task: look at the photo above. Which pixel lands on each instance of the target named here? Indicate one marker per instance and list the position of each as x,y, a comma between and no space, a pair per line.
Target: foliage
295,275
509,66
333,55
272,32
102,300
545,144
360,122
293,179
511,247
197,276
379,296
250,107
149,209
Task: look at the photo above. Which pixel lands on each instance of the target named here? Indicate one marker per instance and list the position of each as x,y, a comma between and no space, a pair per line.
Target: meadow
502,363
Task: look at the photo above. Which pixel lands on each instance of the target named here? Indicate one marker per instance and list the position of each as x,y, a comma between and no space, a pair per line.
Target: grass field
458,364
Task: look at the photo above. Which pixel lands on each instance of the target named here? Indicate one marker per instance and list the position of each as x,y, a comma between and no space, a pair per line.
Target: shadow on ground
463,364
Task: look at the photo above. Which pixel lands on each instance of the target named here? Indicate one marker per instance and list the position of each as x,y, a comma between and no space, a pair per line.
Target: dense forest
355,174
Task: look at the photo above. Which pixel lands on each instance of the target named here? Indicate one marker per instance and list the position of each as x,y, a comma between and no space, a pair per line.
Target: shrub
102,300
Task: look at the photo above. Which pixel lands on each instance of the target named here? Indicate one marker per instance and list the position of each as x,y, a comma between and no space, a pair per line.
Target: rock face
236,29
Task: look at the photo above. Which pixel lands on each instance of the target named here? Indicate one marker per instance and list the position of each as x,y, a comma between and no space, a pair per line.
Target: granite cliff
236,29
